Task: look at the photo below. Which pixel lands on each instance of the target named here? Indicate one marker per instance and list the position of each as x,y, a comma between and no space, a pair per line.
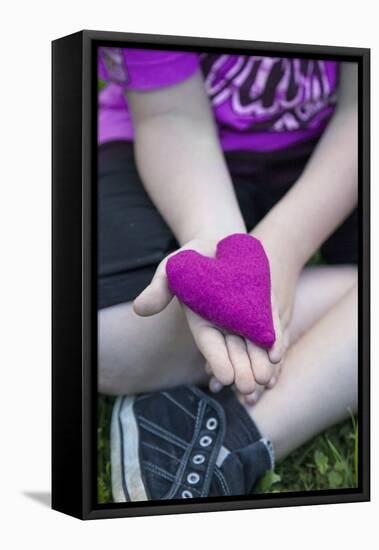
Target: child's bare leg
141,354
138,354
318,384
319,289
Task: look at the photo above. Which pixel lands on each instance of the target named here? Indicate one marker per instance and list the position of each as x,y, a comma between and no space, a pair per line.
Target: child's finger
286,339
212,346
261,366
272,382
251,398
156,295
208,369
214,385
274,379
254,397
243,374
275,353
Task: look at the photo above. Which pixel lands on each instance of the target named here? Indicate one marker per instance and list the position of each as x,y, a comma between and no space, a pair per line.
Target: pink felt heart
232,290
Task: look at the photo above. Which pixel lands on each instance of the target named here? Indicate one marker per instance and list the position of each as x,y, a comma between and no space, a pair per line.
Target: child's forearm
185,175
321,199
181,163
324,195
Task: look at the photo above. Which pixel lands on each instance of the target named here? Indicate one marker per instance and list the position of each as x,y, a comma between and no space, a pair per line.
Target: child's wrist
281,250
211,233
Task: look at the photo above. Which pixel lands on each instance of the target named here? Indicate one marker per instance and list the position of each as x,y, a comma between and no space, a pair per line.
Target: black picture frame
74,332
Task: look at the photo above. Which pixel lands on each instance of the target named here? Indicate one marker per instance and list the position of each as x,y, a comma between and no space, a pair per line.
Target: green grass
100,85
104,413
326,462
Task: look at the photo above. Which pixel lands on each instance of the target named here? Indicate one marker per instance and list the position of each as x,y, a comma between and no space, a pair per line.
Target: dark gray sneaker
185,443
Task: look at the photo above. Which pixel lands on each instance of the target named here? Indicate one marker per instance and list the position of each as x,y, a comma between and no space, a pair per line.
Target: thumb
275,353
156,296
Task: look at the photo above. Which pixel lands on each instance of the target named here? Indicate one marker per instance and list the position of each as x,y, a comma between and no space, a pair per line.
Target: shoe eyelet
211,423
187,494
193,478
198,459
205,441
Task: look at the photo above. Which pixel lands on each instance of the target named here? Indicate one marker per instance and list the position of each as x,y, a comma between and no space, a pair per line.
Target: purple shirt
259,103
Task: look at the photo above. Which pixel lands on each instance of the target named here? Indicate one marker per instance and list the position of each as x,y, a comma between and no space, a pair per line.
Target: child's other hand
284,269
230,358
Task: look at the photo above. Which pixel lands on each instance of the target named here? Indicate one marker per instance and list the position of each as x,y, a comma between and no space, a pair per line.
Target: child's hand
157,294
284,269
231,358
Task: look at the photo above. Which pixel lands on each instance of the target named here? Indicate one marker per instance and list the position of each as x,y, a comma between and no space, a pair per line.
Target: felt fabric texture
232,290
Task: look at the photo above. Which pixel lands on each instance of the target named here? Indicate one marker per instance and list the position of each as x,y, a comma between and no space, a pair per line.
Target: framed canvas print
210,274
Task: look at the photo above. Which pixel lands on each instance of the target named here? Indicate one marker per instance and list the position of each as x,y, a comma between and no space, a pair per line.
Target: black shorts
133,237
